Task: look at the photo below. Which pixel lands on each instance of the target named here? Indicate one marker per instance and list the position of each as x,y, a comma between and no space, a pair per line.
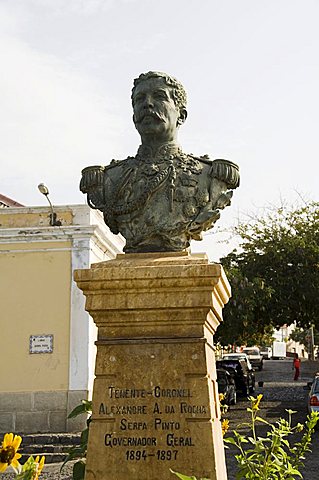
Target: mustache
139,116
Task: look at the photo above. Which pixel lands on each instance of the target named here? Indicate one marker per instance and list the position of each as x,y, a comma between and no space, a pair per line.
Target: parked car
313,398
227,386
243,376
266,352
255,357
238,356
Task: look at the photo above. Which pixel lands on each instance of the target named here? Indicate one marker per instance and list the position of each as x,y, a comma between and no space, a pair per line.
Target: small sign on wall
41,344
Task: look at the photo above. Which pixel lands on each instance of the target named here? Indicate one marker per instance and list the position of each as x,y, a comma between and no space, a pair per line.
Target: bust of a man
161,198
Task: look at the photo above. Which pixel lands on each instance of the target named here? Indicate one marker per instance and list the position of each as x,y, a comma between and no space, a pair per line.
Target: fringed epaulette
226,171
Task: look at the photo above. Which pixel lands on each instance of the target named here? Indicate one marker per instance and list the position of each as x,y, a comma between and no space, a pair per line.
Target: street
280,392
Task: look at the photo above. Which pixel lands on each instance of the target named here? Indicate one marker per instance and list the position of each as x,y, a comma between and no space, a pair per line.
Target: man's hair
178,91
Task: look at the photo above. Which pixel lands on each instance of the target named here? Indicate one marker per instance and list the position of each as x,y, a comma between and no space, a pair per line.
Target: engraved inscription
150,424
126,425
160,424
122,409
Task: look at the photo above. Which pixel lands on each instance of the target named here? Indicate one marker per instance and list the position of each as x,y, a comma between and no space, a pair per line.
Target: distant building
283,335
47,339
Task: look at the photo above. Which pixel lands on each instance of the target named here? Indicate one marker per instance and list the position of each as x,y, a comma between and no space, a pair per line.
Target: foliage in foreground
185,477
79,451
9,457
272,457
274,275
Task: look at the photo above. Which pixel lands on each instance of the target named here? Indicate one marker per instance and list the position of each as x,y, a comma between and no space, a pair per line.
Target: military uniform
160,200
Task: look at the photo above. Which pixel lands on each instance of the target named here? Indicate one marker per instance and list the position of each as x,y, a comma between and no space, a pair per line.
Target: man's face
154,111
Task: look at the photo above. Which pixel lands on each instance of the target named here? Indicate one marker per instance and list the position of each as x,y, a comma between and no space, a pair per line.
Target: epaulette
202,158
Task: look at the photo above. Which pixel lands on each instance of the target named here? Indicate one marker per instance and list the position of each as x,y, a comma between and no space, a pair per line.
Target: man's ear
182,116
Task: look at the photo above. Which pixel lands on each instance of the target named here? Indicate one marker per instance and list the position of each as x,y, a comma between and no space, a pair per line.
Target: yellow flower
39,467
8,451
221,397
225,426
256,402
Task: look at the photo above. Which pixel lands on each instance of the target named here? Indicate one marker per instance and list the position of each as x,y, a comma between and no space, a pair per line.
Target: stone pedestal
155,399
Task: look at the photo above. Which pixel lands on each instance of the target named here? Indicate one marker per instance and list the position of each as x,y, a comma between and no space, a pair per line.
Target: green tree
274,275
303,336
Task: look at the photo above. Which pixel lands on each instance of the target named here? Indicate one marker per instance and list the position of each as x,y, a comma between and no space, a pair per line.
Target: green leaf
75,452
291,412
79,470
181,476
252,440
262,420
84,436
26,475
84,407
230,440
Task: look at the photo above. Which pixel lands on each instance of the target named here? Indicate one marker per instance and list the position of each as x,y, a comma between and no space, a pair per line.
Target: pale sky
250,67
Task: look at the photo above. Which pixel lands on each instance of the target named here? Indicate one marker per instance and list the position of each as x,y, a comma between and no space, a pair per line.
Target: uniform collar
165,151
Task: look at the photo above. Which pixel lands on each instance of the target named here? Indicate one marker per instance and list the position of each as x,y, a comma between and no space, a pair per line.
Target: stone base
155,398
40,412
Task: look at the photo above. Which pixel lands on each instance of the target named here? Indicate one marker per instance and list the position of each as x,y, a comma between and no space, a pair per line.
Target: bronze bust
161,198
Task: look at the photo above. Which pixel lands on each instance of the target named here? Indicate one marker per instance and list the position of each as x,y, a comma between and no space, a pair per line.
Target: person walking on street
296,365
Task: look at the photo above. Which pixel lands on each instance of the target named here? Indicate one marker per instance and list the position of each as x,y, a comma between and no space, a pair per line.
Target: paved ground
279,391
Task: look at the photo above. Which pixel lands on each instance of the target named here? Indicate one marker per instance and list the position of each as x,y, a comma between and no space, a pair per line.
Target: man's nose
148,102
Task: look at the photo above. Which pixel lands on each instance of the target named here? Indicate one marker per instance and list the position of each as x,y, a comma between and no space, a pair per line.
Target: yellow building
47,339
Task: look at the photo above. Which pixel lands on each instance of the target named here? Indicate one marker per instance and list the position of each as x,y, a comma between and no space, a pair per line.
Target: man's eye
161,95
137,99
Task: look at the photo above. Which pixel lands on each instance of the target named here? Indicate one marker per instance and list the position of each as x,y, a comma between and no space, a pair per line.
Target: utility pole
312,343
